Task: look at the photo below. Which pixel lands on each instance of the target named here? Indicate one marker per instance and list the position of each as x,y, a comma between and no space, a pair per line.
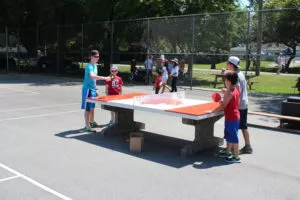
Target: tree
283,26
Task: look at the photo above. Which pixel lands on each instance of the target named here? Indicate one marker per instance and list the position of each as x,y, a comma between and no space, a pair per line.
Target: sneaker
223,153
94,124
232,159
87,129
247,149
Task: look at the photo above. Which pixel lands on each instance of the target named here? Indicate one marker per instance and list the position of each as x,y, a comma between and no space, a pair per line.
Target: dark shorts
243,119
231,131
85,94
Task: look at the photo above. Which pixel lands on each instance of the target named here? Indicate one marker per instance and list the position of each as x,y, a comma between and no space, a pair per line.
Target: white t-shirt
242,84
174,71
165,74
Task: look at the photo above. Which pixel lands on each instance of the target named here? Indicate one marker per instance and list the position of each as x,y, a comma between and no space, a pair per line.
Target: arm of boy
223,104
102,78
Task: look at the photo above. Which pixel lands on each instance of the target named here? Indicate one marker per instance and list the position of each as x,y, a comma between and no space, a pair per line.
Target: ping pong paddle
216,97
112,76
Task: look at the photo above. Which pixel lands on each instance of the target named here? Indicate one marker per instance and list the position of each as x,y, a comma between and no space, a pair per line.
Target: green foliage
285,26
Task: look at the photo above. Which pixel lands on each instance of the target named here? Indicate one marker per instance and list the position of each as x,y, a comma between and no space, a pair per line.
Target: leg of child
168,87
87,118
236,149
229,147
163,88
92,115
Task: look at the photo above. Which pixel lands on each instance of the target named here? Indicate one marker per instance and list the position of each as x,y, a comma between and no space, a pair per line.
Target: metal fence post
247,43
112,43
259,38
6,44
193,51
148,38
18,50
58,52
82,46
37,36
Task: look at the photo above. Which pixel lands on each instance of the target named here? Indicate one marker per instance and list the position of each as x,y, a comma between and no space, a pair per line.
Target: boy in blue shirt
89,90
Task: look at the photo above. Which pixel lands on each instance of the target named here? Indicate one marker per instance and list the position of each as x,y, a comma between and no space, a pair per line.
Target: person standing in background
148,67
174,74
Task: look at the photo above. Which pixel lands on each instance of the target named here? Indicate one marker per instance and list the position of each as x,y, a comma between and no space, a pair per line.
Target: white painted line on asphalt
19,90
38,107
20,94
36,116
9,178
36,183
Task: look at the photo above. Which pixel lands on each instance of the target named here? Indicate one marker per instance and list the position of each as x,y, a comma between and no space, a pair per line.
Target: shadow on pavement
157,148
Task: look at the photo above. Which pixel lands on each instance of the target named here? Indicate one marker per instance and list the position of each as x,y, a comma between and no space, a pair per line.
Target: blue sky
244,3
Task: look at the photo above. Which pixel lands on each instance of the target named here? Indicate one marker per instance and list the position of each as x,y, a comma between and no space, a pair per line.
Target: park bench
281,118
290,112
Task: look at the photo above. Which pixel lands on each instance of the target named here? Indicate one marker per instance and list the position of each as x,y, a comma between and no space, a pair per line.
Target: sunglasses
113,70
96,56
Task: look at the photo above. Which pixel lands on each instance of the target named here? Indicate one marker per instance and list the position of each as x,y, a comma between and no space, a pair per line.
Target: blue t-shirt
88,82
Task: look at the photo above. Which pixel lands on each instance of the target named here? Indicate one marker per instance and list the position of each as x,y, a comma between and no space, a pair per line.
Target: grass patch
274,84
265,83
263,64
269,83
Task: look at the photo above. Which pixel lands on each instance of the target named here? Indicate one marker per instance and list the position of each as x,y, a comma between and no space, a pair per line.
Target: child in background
158,81
230,105
113,87
165,76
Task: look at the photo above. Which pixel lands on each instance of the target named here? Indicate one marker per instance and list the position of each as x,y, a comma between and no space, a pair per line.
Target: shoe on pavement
233,159
94,124
247,149
87,129
223,153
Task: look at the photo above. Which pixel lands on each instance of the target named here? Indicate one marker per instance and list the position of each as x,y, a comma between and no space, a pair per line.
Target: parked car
41,63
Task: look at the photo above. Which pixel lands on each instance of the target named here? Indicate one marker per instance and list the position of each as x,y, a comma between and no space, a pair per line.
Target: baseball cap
234,60
114,68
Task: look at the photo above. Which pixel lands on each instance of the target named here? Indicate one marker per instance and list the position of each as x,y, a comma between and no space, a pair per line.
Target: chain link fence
196,39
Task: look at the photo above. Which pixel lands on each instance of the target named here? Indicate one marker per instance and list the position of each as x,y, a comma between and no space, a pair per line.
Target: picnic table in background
222,77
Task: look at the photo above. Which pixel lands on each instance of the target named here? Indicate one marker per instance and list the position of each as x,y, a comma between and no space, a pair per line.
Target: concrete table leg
124,121
204,135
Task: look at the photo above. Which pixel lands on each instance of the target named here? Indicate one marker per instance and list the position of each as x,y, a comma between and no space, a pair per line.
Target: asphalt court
44,157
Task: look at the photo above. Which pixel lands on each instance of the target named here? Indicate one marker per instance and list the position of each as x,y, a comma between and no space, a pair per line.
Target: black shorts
243,119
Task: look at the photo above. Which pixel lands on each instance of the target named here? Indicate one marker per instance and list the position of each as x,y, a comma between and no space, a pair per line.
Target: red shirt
231,111
114,85
158,80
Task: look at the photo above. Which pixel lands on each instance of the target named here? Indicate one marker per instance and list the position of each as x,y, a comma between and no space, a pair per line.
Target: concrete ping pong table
192,112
